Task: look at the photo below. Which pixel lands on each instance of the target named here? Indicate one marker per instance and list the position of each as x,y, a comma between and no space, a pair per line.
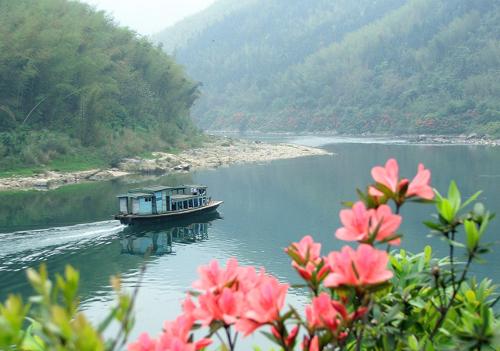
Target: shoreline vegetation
212,154
222,148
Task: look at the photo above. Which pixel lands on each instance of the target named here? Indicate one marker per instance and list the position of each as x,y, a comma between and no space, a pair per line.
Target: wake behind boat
164,202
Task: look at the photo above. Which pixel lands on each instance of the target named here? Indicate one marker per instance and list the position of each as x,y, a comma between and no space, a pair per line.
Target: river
266,206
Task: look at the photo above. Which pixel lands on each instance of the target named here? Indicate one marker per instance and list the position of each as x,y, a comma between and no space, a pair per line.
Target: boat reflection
159,239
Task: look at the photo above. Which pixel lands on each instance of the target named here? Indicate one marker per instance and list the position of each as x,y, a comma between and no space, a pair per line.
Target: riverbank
470,139
215,153
434,139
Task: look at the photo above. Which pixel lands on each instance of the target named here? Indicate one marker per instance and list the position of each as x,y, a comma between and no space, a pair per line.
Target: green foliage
431,303
72,82
419,66
51,319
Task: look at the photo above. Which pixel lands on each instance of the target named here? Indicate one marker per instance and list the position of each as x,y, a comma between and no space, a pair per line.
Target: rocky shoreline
470,139
213,154
460,139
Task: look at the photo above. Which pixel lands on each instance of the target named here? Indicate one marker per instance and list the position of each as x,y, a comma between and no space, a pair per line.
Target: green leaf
446,210
107,321
484,225
471,199
33,342
347,204
432,225
391,238
454,197
413,343
385,190
269,336
471,235
479,209
428,253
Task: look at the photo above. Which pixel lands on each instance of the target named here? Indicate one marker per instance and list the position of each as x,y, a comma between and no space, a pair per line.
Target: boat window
185,204
191,203
196,202
174,206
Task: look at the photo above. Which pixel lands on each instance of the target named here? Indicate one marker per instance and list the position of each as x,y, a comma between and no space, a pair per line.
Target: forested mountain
417,66
74,84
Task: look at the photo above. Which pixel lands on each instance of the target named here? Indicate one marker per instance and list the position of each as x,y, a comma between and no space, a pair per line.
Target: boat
159,202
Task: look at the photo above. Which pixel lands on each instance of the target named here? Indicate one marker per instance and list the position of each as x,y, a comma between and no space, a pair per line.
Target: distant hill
398,66
75,86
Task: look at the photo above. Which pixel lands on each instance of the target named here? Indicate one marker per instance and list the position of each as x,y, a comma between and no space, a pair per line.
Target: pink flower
360,223
144,343
386,222
290,338
314,346
213,277
175,337
262,305
323,312
419,186
364,267
249,278
387,176
306,249
306,257
225,307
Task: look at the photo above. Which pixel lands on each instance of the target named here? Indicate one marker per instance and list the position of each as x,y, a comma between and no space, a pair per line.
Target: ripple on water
19,249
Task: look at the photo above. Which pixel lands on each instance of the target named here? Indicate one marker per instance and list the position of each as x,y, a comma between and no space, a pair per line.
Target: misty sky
149,16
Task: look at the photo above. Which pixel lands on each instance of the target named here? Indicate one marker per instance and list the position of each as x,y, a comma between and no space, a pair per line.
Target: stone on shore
217,153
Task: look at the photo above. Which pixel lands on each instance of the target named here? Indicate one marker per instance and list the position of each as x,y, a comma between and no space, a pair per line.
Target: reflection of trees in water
160,242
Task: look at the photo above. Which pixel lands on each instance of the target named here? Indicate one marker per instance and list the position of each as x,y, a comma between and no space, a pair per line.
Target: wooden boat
164,203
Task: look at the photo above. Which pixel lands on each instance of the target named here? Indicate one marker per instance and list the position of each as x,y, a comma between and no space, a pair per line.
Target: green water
265,208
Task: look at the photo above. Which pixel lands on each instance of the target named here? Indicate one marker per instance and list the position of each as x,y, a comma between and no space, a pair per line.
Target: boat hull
169,216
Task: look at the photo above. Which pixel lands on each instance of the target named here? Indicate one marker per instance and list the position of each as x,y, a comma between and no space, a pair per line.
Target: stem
219,337
495,301
359,336
281,328
128,313
441,301
452,263
455,291
229,339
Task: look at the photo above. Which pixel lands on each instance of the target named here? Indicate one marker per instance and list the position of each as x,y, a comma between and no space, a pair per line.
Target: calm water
266,207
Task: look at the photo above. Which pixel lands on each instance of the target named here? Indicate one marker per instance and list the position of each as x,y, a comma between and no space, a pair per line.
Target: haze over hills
397,66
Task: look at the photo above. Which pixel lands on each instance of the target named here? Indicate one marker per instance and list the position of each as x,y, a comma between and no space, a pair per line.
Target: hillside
76,88
397,66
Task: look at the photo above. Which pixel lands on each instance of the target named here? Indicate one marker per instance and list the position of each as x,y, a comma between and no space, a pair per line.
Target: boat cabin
163,199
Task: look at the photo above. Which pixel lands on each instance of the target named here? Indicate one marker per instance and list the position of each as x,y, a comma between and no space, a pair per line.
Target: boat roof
135,195
157,188
150,189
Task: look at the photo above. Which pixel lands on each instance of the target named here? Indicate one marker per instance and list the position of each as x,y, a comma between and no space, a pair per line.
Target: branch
33,109
441,319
